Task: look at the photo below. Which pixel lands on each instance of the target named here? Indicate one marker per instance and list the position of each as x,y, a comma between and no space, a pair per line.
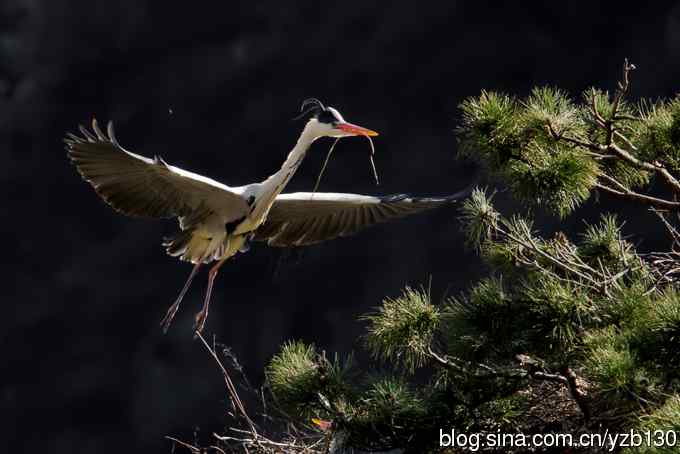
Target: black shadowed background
212,87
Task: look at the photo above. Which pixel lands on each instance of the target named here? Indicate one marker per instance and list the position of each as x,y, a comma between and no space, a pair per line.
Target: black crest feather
310,105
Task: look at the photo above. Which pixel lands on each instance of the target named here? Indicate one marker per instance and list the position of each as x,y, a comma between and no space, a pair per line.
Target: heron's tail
177,244
191,246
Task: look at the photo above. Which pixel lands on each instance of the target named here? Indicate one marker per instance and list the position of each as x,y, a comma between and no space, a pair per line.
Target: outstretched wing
139,186
304,218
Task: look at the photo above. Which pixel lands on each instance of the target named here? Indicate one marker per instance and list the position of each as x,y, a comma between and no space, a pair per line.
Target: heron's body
229,225
217,221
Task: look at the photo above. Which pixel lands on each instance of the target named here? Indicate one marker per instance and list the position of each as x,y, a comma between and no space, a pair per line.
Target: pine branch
599,120
623,86
655,167
570,266
611,149
611,146
624,192
529,368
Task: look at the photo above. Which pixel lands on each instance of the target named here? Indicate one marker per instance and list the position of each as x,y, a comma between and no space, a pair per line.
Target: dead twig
233,394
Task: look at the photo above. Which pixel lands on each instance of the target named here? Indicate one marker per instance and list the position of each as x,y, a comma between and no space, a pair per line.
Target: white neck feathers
273,185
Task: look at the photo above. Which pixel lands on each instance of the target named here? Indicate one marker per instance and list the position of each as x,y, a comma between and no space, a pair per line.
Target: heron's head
328,122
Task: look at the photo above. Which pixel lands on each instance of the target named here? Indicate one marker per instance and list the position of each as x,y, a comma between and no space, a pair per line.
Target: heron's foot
169,316
199,323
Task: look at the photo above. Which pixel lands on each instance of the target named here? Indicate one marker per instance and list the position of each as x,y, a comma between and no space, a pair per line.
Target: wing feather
304,218
138,186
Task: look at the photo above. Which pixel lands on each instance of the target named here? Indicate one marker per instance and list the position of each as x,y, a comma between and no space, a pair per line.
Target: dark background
212,87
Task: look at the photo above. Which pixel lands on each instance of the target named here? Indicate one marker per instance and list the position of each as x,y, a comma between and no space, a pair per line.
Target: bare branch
625,139
274,446
623,85
593,109
233,394
560,264
190,447
632,195
609,126
529,368
673,232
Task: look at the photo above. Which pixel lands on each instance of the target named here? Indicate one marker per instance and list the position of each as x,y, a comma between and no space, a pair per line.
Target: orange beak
355,130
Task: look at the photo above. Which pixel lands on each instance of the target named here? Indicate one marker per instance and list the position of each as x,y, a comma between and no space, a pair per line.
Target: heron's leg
170,314
202,316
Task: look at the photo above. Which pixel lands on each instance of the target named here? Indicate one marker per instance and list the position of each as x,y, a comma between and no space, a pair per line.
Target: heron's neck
273,185
294,159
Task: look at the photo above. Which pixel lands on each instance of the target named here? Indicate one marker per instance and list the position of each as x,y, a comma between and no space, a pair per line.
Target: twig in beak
323,168
375,172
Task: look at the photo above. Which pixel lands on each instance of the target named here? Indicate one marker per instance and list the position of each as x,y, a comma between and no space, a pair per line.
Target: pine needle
325,163
375,172
328,157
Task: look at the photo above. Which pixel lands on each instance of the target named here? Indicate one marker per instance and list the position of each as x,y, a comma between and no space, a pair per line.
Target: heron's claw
172,310
169,316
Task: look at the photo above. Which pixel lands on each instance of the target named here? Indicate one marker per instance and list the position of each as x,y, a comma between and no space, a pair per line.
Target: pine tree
566,334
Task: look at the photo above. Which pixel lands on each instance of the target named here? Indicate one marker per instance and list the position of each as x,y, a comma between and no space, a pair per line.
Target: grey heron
217,221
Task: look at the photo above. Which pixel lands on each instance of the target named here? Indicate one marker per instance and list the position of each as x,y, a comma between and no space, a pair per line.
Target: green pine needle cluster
488,129
659,132
612,364
604,243
664,425
301,379
479,217
476,324
402,328
515,139
387,404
